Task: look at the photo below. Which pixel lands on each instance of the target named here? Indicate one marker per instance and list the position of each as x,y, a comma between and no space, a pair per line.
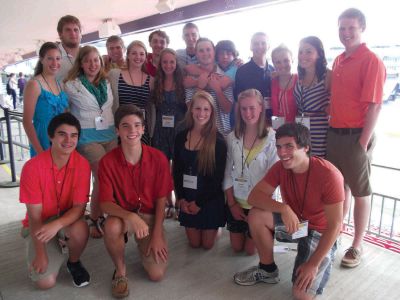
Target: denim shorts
306,246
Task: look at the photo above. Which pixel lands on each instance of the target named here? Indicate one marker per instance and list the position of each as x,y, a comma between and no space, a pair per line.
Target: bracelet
230,206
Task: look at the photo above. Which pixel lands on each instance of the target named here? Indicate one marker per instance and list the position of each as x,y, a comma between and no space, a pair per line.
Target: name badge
277,122
241,188
304,120
190,182
168,121
100,123
302,232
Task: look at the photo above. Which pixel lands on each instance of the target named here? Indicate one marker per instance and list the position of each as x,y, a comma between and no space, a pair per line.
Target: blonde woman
251,152
132,85
199,164
91,100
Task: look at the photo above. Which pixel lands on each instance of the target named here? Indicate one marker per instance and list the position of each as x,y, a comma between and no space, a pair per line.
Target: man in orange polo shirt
358,76
135,181
55,187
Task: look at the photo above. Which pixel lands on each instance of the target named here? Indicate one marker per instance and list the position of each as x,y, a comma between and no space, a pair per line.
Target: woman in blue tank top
43,98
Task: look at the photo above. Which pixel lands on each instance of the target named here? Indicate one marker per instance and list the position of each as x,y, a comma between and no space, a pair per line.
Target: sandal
96,227
119,286
169,213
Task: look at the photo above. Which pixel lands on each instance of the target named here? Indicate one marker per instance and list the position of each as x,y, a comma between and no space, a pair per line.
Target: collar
48,161
361,49
121,156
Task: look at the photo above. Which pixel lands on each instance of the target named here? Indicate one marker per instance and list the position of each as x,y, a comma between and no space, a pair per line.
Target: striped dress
312,101
137,95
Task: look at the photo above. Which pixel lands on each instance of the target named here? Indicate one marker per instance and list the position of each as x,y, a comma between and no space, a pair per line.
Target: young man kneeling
313,194
55,187
135,181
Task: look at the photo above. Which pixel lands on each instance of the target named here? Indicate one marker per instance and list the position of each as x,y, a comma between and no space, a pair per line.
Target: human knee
257,219
194,244
113,227
207,245
46,283
156,274
301,295
78,230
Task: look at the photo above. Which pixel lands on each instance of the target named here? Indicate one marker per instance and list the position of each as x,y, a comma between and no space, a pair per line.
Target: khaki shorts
149,261
346,153
93,152
55,257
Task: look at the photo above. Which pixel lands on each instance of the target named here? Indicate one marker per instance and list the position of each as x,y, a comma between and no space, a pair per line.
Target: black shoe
80,276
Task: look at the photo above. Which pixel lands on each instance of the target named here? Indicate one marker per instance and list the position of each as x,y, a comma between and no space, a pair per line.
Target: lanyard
248,154
136,188
58,196
282,94
300,204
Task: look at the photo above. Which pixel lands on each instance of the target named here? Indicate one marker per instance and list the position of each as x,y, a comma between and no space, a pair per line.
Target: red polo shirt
151,69
357,81
123,183
42,183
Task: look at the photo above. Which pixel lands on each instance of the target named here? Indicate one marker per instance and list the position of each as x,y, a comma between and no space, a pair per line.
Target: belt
346,131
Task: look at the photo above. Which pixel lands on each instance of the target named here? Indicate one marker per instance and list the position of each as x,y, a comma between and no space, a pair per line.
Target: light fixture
164,6
108,28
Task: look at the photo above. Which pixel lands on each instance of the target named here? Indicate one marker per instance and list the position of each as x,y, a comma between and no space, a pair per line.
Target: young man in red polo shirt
55,187
135,181
358,77
311,214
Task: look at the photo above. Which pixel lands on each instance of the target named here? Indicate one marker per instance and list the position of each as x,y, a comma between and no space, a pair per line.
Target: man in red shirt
312,193
55,187
358,76
158,41
135,181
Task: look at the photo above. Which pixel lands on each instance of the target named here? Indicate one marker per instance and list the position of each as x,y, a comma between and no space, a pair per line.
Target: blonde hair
129,48
206,155
77,69
240,125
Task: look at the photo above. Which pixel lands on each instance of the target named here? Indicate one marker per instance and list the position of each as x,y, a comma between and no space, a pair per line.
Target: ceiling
25,22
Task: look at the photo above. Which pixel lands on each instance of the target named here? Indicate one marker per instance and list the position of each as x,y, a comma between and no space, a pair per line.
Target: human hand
40,263
305,275
202,80
134,224
237,212
158,248
48,231
183,206
193,208
290,220
214,82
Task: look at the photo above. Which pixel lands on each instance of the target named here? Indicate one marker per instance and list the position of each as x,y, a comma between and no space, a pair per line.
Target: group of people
199,124
13,84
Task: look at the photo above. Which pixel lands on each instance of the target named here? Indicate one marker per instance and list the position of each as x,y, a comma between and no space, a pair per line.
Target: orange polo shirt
357,81
42,183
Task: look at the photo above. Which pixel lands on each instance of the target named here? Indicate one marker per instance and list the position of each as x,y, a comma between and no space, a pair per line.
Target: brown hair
160,33
240,125
206,155
158,91
113,39
42,53
127,110
354,13
77,67
67,20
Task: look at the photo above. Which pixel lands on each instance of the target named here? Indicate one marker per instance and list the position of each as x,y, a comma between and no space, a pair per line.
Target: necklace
198,142
130,76
248,154
48,85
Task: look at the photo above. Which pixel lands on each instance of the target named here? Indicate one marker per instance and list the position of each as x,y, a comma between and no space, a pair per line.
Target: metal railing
6,138
383,215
